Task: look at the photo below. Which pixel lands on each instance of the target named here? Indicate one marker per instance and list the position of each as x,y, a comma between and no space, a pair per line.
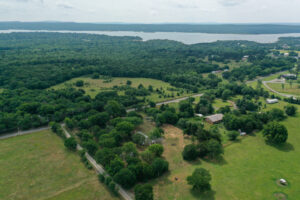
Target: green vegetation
38,166
93,86
234,176
288,88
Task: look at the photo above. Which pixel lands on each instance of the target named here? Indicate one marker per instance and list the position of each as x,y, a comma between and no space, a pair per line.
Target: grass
37,166
288,89
249,169
93,86
218,103
147,126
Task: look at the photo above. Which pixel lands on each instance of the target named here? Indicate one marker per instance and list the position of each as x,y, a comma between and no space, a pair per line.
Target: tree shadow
208,195
286,147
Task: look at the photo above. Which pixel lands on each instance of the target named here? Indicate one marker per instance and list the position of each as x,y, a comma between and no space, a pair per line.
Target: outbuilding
214,119
272,101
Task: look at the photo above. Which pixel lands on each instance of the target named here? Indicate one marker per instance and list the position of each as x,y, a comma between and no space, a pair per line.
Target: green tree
190,152
290,110
115,166
128,82
159,166
114,109
79,83
232,135
200,180
156,149
143,192
125,178
214,148
275,133
147,156
71,143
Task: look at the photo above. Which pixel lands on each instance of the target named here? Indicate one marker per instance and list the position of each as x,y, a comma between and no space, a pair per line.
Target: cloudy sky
152,11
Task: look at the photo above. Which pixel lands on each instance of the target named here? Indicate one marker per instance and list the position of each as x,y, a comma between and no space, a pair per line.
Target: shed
272,101
214,119
198,115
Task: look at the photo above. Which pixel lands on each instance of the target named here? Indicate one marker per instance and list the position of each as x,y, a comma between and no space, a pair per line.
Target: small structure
282,181
242,133
289,76
286,54
272,101
245,58
214,119
199,115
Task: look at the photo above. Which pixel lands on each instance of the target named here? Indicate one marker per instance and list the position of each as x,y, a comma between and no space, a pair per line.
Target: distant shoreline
183,37
152,28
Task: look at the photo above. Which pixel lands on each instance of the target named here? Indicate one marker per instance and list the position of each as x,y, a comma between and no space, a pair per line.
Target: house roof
215,118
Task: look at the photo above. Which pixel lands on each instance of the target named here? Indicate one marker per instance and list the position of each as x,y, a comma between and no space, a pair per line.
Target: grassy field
93,86
249,170
218,103
37,166
288,89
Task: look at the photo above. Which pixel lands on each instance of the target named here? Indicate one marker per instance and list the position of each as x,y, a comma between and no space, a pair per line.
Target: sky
152,11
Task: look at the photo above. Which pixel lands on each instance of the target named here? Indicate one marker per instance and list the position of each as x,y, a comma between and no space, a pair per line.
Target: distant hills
193,28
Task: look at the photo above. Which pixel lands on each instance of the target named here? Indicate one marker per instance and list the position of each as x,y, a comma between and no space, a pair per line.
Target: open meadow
93,86
38,166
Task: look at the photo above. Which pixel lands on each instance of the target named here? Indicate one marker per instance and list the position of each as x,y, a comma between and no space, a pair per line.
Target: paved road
100,169
8,135
170,101
281,94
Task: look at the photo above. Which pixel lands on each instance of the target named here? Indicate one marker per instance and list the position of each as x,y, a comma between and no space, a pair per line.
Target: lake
186,38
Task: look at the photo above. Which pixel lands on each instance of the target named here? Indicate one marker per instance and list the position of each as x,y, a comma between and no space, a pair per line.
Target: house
272,101
214,119
286,54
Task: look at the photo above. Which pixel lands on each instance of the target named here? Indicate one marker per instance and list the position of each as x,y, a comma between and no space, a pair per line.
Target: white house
271,101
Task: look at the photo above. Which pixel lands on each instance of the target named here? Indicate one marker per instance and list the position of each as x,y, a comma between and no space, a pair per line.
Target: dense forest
199,28
41,60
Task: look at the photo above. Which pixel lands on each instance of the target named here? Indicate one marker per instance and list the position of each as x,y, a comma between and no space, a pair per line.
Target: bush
143,192
71,144
190,152
290,110
101,178
156,149
232,135
79,83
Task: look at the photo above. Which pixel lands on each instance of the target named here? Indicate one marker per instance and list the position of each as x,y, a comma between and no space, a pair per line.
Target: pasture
288,88
249,169
93,86
38,166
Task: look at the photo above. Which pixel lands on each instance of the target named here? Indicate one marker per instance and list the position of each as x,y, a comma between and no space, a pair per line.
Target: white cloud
139,11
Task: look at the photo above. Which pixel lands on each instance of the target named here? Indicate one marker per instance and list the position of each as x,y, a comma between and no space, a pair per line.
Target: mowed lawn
93,86
249,170
37,166
288,89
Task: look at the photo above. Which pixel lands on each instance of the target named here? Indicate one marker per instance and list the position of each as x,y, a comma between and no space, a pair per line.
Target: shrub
143,192
232,135
190,152
71,144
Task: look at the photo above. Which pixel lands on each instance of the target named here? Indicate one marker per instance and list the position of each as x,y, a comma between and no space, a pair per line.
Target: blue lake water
186,38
